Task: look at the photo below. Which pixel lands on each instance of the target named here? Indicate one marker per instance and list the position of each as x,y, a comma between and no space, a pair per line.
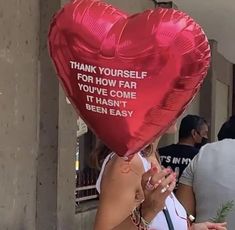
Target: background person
208,181
138,195
193,133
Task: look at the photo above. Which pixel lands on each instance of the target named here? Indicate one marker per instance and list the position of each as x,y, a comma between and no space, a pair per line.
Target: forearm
186,197
128,224
209,225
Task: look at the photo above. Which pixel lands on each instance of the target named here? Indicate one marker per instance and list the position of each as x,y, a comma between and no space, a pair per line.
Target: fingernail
156,185
154,169
168,170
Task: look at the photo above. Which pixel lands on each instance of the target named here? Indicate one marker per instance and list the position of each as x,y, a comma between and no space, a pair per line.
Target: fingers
152,179
222,224
220,227
157,178
167,187
217,226
157,185
147,175
172,186
169,179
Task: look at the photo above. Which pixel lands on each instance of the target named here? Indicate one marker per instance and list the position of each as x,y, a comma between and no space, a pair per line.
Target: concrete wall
233,110
132,6
223,71
47,159
66,165
85,220
37,179
212,99
57,141
19,41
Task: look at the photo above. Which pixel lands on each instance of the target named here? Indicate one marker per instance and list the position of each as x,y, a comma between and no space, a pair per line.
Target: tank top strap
106,160
145,163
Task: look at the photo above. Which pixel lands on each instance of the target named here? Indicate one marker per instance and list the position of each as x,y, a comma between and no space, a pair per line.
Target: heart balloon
129,77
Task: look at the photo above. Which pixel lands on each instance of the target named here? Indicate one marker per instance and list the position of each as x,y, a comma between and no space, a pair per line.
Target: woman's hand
156,187
209,226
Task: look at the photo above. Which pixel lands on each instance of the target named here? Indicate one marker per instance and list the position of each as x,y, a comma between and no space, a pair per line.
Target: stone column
132,6
220,72
206,92
19,41
47,161
66,183
56,161
233,99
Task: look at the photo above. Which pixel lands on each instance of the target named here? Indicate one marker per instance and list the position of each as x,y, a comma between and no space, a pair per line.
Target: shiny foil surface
129,77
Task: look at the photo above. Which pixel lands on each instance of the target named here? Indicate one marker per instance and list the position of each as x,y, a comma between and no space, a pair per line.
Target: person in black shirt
193,134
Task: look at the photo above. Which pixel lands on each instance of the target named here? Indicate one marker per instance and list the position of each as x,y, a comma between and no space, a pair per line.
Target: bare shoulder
120,192
119,171
119,165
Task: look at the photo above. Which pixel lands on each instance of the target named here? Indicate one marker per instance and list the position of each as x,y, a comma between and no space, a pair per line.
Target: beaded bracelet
138,220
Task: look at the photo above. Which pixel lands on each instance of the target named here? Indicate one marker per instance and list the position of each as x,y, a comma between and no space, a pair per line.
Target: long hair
101,151
99,154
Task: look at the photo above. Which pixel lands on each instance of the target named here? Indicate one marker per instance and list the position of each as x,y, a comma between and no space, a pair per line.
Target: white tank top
176,210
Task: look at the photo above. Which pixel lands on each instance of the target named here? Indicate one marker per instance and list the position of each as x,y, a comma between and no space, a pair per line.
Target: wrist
138,220
191,220
192,226
148,212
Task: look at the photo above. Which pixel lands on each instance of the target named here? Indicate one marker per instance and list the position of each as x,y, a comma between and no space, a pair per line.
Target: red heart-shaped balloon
128,77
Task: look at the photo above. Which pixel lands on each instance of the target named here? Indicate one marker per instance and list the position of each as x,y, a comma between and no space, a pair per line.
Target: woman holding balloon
173,53
138,195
